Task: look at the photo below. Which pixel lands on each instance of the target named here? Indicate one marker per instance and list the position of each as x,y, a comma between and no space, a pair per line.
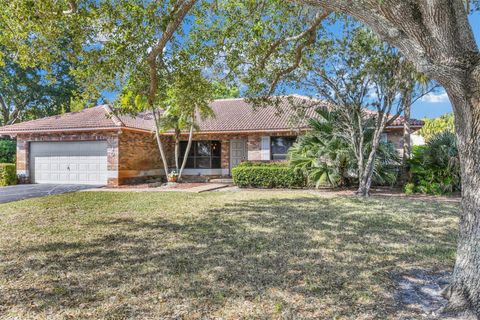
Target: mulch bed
178,186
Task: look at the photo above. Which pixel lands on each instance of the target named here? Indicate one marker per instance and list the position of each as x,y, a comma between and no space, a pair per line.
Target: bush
8,174
8,149
267,176
409,188
435,167
263,164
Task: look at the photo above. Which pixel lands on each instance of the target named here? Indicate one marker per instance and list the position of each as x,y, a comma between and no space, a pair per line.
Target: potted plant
172,176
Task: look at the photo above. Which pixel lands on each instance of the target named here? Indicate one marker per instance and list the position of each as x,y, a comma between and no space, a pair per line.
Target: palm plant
326,157
442,151
435,167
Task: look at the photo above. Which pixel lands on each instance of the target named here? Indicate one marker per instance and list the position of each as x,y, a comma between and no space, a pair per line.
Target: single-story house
99,146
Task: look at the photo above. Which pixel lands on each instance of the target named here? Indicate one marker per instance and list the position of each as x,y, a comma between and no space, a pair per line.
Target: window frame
272,138
196,157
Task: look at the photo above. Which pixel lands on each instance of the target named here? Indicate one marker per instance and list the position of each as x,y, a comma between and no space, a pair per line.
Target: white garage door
73,162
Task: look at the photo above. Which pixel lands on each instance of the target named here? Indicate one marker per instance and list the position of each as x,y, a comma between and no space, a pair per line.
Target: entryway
238,152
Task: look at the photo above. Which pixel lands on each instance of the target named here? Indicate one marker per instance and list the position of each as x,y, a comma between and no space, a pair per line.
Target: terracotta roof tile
231,115
89,118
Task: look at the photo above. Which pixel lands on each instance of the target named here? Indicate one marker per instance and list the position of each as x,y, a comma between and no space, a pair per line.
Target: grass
230,255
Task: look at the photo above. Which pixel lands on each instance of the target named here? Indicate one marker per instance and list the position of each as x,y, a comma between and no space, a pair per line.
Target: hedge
264,176
262,163
8,174
8,149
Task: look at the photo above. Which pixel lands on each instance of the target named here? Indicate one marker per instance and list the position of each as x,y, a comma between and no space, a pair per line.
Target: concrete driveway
25,191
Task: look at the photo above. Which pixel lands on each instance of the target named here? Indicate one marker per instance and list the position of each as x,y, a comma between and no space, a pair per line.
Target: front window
202,155
279,147
383,138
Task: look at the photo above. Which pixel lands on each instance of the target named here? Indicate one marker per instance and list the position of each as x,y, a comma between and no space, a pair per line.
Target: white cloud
435,97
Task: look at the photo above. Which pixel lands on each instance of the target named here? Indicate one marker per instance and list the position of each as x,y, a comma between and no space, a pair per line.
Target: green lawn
254,255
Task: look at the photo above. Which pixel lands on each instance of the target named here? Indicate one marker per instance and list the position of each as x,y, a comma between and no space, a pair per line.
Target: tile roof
231,115
286,113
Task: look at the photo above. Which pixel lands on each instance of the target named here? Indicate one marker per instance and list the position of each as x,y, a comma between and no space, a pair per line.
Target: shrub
8,174
435,167
263,164
409,188
8,149
267,176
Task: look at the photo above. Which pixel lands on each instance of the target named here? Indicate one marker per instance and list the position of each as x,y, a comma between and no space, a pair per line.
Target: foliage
223,91
247,35
28,93
433,127
326,156
110,42
173,174
409,188
8,174
263,164
8,150
355,74
267,175
188,94
435,167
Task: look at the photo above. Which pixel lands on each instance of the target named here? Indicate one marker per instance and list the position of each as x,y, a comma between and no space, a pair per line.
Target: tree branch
73,7
183,7
311,34
319,17
436,39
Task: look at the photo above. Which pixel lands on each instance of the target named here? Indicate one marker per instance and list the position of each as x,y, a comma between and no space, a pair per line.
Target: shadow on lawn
307,256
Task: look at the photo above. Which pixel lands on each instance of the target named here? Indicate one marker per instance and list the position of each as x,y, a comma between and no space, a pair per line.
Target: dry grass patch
253,255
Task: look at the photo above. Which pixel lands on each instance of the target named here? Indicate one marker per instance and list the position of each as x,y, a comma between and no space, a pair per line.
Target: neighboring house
96,146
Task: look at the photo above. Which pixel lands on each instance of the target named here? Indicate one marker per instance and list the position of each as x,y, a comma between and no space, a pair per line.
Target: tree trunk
464,290
407,131
437,37
4,111
187,151
177,148
404,176
367,171
159,142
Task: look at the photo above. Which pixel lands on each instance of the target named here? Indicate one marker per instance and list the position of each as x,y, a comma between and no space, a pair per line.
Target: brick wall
254,147
396,137
139,156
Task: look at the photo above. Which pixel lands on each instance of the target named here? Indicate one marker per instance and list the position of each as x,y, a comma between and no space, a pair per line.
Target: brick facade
139,157
396,137
134,156
254,147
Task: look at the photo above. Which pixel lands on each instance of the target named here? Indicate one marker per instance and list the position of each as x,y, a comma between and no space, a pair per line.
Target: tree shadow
307,256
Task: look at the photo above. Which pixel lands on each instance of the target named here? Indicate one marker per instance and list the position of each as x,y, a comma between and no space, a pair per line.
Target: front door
238,152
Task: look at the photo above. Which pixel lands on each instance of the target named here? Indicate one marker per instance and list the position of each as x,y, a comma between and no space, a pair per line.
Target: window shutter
265,146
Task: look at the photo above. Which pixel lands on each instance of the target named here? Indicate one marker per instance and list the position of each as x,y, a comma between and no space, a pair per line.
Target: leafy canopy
433,127
29,93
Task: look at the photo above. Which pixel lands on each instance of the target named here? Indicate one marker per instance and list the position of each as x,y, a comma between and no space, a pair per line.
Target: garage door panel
72,162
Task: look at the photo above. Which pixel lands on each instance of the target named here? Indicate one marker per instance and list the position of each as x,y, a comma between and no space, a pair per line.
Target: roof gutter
16,132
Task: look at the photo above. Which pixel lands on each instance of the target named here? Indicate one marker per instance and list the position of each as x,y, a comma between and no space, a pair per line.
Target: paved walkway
25,191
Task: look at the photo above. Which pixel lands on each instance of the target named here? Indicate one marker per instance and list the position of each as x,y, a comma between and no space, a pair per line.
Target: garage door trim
69,162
